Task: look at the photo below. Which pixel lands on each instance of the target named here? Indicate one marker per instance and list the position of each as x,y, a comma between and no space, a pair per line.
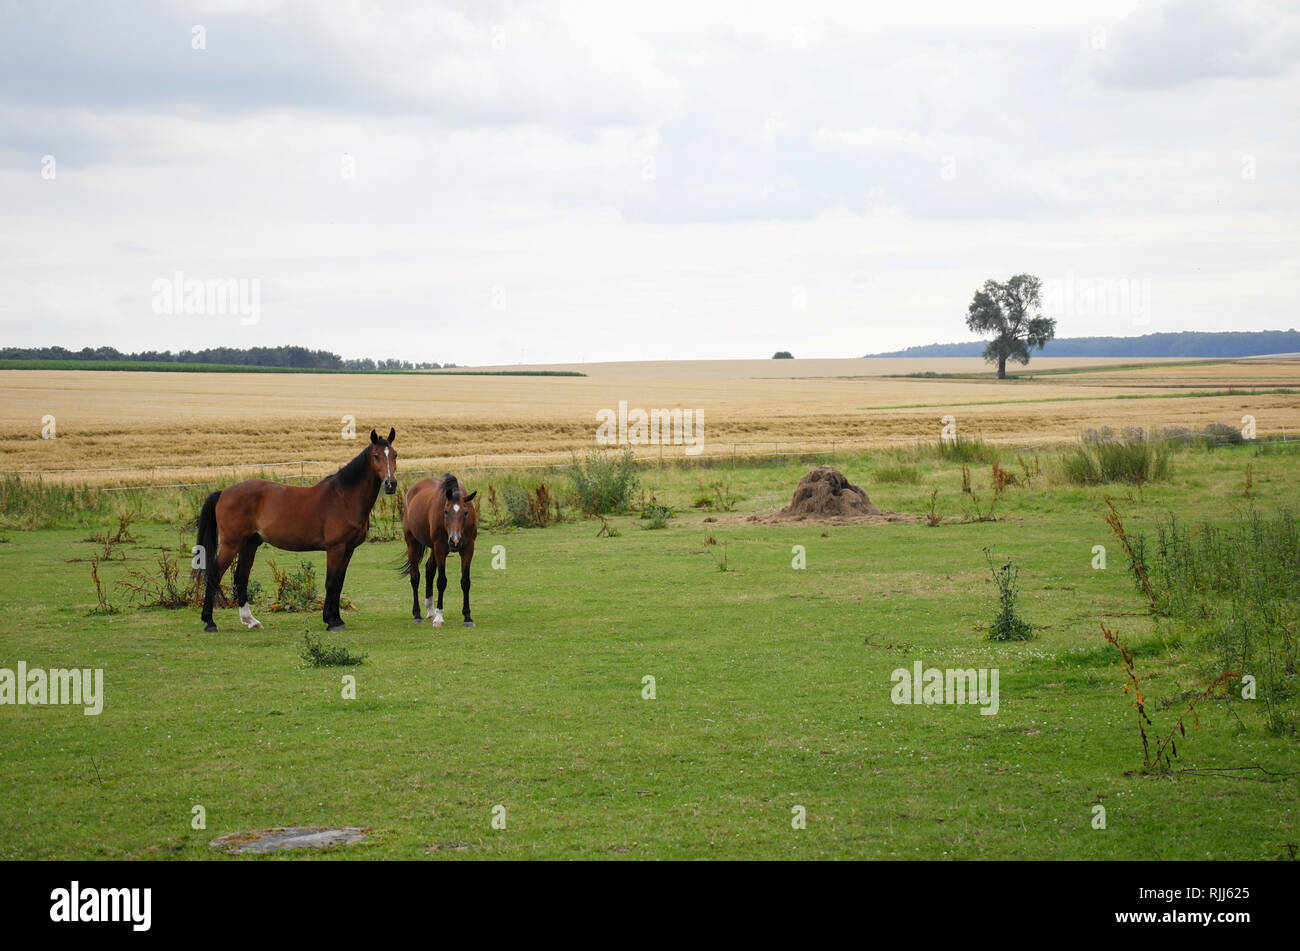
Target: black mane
450,487
355,471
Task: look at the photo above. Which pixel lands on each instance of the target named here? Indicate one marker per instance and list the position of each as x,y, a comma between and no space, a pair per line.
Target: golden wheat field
123,427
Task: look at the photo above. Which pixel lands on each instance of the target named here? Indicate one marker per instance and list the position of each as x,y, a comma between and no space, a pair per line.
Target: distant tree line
298,358
1188,344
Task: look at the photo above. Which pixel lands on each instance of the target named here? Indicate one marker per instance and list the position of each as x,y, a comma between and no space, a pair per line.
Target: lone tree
1004,310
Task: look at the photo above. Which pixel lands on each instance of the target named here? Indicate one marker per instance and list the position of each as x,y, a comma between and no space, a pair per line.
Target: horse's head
383,460
458,515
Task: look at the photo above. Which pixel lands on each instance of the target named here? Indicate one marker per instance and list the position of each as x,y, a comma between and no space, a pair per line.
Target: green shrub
1211,436
1219,434
516,499
657,515
604,482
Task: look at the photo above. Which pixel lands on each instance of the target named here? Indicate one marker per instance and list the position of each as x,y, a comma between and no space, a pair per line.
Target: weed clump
524,507
1007,625
164,589
319,655
295,590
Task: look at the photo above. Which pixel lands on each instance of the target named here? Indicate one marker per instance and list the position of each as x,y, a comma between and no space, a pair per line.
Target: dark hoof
336,627
210,629
417,619
468,624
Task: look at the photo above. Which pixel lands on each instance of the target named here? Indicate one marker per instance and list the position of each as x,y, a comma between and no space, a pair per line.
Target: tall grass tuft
897,473
33,503
966,449
1101,456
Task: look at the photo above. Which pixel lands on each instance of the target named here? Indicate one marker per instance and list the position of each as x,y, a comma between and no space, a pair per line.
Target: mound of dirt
825,495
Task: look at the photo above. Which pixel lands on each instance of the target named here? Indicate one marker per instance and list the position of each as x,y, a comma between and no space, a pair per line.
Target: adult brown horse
332,516
438,515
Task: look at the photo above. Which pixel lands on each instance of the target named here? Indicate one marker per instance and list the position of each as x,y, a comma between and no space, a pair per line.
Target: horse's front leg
247,552
430,575
440,551
336,568
466,556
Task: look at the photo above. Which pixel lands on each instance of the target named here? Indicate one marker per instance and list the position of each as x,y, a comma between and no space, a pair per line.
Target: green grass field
772,690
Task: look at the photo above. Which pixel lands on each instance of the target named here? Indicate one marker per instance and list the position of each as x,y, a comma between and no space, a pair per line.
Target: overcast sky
553,181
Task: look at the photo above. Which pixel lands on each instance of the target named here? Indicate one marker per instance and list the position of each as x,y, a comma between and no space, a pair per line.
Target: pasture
771,683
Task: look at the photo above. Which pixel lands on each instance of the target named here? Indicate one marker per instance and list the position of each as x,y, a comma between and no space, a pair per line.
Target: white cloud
643,181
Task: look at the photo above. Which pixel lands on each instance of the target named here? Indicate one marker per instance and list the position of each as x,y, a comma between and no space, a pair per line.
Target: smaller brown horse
332,516
437,515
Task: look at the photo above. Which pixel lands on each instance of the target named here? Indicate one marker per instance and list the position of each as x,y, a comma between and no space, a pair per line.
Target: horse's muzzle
453,545
390,486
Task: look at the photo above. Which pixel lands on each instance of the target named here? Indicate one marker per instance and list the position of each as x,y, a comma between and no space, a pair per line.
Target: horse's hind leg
247,552
225,555
414,551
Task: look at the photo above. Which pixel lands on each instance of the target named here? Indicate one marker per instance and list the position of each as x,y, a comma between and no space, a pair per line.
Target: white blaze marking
455,508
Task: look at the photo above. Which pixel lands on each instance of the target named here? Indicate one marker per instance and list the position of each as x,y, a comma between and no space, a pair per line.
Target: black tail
407,564
208,536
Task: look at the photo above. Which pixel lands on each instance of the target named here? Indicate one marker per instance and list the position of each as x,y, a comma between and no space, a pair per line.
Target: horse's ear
392,433
374,436
470,497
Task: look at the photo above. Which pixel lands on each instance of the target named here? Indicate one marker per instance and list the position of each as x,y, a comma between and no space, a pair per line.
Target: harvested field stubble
141,423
